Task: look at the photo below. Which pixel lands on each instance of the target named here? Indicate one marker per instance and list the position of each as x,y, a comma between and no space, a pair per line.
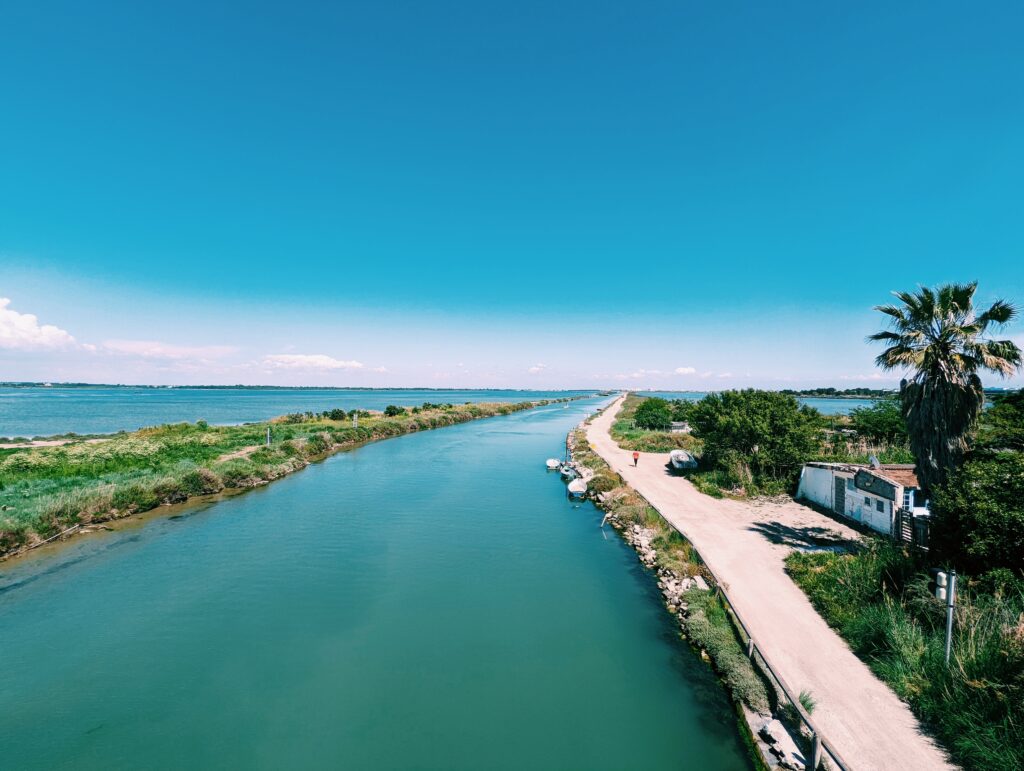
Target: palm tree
937,335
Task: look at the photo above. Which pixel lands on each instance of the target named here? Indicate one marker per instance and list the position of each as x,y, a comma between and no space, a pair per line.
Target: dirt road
744,545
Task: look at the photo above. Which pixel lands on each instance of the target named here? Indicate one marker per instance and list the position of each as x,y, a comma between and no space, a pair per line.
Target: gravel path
744,544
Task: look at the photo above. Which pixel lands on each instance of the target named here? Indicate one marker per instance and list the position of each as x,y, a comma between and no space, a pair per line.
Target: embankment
50,493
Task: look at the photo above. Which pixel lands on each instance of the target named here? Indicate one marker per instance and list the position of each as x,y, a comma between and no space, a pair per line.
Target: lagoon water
431,601
41,411
823,405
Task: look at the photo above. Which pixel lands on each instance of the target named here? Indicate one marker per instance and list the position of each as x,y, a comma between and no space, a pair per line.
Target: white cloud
638,374
725,375
686,370
872,376
153,349
308,361
536,369
22,331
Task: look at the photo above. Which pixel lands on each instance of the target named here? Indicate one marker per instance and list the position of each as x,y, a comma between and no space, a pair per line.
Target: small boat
553,464
567,471
680,460
577,488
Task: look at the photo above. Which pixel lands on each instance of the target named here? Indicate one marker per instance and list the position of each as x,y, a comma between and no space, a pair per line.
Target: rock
700,583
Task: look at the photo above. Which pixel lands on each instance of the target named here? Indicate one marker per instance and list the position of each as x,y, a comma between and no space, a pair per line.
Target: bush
881,422
756,435
336,414
603,483
879,602
653,414
392,411
978,515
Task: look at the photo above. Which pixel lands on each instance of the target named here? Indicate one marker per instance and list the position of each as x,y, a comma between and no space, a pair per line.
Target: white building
865,494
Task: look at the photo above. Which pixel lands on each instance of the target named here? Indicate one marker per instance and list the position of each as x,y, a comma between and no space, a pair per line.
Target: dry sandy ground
45,443
744,544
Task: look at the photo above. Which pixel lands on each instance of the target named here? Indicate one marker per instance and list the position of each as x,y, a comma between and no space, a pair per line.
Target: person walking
636,457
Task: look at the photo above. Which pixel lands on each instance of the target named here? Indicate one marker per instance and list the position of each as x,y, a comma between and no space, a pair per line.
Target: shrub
392,411
979,514
763,434
881,422
654,414
603,483
135,497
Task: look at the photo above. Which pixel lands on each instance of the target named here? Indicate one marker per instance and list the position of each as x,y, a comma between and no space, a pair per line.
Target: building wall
816,486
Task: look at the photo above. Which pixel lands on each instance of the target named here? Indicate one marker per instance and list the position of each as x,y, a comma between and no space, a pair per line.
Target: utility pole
943,586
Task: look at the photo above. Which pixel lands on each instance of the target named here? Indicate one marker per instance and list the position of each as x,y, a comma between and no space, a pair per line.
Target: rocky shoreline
772,743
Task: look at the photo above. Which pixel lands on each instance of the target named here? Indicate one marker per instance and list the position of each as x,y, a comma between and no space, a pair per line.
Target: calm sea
47,411
431,601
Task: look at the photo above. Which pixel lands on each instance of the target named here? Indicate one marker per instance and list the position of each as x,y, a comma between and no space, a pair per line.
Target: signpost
943,587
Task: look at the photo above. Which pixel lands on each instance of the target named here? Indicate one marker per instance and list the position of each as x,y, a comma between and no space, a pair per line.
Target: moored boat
552,464
681,460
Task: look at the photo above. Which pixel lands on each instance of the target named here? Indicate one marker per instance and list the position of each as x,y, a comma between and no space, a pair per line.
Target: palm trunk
940,417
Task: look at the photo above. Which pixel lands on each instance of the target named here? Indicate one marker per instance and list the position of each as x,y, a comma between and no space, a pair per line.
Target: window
849,483
880,505
908,498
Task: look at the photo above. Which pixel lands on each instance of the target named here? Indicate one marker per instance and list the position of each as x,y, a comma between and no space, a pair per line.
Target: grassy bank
45,491
879,602
630,437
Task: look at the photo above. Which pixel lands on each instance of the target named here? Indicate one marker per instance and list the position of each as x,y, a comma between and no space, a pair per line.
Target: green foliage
756,436
46,489
879,602
941,337
392,411
881,422
1002,425
654,414
335,414
978,515
631,437
710,628
681,409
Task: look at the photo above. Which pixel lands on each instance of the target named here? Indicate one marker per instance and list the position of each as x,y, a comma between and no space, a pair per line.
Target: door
839,502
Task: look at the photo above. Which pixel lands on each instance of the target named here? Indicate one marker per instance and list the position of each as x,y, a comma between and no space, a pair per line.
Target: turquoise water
49,411
431,601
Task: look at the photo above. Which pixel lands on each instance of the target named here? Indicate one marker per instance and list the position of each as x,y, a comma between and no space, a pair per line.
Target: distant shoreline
49,385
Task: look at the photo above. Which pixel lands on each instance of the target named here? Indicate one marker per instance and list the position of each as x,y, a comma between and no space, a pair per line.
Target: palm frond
1000,312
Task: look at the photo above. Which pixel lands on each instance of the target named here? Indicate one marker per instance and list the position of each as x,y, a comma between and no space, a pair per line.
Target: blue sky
489,194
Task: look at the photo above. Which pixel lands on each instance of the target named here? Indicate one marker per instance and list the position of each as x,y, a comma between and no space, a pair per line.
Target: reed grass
879,602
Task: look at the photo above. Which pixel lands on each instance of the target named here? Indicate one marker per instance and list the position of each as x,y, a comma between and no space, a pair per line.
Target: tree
681,409
1002,424
392,411
654,414
938,336
980,522
768,432
881,422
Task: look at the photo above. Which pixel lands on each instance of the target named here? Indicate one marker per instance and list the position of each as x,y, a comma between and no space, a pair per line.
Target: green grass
45,490
879,602
629,437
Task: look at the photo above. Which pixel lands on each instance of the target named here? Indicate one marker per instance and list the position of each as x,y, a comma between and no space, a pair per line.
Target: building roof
898,473
901,474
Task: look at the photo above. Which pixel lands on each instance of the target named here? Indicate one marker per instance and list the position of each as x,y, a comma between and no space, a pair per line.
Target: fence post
750,648
815,751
